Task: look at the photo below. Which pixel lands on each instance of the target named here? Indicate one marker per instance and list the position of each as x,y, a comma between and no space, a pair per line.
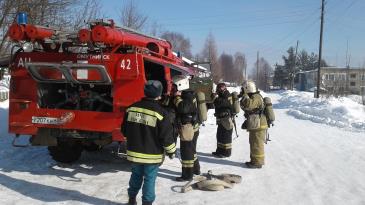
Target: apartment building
334,80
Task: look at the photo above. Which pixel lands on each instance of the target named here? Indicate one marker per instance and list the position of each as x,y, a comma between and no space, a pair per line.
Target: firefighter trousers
224,141
257,151
189,159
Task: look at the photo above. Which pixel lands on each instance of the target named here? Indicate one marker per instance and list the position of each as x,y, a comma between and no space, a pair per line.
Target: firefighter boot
132,201
196,167
186,175
253,166
217,155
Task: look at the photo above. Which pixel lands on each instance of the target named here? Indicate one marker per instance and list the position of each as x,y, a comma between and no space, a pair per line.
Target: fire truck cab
69,90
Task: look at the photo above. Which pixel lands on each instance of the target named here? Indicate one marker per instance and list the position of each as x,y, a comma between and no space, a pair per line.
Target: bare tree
85,12
240,66
60,14
179,43
156,29
41,12
228,71
210,53
265,71
131,17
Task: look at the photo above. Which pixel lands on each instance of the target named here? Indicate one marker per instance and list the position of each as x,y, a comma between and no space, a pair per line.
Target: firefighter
223,113
168,103
148,134
188,125
256,124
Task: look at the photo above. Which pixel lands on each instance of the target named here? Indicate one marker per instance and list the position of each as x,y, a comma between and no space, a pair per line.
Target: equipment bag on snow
235,103
269,111
202,107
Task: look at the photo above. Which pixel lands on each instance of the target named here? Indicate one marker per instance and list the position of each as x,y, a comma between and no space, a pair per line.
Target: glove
213,95
243,90
171,156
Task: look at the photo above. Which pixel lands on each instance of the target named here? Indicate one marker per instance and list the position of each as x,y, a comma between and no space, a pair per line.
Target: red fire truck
69,90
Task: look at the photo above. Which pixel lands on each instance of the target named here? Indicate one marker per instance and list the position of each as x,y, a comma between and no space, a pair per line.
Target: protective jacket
223,105
148,132
186,109
252,103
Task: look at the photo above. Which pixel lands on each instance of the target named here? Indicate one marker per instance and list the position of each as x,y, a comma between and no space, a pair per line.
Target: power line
296,34
258,11
241,19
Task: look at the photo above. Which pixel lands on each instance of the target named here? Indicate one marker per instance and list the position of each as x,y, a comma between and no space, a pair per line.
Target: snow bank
303,165
343,112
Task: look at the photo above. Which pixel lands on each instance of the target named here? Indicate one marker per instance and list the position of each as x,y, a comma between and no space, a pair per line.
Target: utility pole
320,52
257,68
347,51
294,65
245,71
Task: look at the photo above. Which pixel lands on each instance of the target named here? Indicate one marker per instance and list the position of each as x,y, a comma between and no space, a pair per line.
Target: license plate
45,120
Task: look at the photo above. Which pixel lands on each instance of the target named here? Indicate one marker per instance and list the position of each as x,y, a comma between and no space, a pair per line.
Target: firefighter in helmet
188,128
256,124
149,135
223,112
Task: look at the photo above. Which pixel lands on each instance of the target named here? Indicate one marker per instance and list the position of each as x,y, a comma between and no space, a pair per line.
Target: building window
325,76
353,75
363,77
332,77
342,76
352,84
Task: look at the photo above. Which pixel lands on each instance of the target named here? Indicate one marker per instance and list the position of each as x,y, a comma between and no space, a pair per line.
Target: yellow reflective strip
187,161
188,165
139,160
196,127
258,155
171,148
145,111
224,146
177,101
145,156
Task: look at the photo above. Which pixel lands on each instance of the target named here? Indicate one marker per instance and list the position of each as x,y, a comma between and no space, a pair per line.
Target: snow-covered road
306,163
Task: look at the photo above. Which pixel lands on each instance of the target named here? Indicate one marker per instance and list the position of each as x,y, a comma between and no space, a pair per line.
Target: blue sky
268,26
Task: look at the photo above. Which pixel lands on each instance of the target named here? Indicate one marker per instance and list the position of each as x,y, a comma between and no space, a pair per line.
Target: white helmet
181,81
250,87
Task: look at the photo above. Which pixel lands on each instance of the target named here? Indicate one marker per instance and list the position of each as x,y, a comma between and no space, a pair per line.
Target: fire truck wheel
65,152
92,147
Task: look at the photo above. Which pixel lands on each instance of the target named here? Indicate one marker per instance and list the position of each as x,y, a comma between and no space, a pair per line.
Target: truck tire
92,147
66,152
